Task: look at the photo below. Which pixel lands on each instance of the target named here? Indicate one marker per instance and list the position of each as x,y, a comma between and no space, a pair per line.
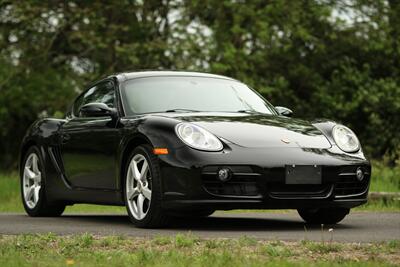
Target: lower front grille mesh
242,183
299,191
337,181
349,185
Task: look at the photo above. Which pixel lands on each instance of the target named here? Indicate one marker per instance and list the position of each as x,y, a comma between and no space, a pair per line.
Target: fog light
359,174
224,174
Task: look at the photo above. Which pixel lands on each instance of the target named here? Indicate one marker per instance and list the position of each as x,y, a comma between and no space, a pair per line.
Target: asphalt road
357,227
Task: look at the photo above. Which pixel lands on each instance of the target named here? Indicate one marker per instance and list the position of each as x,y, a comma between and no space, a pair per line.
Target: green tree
333,59
323,58
51,49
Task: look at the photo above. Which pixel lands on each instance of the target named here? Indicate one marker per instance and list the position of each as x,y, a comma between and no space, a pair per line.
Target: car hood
258,130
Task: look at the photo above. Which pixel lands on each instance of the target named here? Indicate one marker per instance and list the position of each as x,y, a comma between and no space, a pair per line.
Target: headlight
196,137
345,139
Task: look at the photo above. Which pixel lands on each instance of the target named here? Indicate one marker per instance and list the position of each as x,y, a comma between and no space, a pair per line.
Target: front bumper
258,179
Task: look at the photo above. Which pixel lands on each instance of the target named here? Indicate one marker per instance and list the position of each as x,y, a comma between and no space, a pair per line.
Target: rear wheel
142,190
324,215
33,187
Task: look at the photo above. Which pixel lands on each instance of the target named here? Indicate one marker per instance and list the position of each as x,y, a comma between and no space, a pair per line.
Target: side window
101,93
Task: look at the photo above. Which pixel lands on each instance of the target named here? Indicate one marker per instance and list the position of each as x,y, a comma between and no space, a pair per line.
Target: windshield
191,94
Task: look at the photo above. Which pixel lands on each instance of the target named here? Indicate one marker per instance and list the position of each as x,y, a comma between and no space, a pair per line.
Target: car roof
142,74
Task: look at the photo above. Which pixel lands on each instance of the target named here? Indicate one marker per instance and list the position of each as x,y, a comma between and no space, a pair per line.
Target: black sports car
170,144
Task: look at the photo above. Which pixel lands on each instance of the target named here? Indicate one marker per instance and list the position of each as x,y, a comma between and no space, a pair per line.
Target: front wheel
142,190
323,215
33,187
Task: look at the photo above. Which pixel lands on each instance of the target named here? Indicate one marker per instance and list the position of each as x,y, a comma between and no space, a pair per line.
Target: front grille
348,184
337,181
277,188
299,190
249,181
242,183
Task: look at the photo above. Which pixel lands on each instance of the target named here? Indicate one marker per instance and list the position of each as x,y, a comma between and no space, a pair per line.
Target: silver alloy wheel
32,179
138,187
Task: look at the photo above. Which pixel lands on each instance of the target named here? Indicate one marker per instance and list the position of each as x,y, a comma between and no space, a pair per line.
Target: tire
148,214
323,216
33,187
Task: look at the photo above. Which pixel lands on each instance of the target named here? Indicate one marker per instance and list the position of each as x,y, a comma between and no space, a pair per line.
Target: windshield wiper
182,110
247,111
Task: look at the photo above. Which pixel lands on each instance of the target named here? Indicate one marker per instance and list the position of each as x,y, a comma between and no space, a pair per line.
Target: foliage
298,54
323,58
384,178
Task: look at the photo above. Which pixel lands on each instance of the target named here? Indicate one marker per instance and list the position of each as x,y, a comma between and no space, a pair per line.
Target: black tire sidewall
324,215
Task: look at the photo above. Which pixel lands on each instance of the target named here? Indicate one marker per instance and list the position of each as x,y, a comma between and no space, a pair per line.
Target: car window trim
115,85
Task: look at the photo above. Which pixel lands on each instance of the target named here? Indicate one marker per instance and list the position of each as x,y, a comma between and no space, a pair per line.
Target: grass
384,179
10,197
188,250
383,205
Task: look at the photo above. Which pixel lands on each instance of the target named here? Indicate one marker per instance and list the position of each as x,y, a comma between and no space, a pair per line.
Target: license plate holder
303,174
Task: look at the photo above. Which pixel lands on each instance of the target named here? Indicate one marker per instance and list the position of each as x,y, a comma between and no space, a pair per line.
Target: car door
89,144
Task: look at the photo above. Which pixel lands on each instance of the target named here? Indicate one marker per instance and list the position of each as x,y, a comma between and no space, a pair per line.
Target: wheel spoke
132,193
140,202
135,171
36,194
143,172
29,192
146,192
38,178
29,173
35,166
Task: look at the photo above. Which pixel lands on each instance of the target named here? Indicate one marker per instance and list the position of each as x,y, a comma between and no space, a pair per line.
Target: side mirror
97,110
284,111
